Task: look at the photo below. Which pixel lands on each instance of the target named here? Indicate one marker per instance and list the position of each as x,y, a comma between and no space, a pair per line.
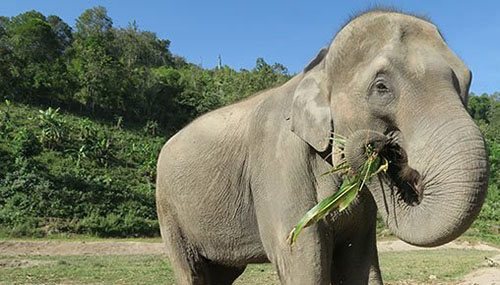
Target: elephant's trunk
437,183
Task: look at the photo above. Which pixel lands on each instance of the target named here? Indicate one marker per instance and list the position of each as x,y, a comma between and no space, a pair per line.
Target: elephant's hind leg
189,268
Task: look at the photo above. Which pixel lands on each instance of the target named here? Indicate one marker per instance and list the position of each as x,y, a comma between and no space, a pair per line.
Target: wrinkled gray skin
233,183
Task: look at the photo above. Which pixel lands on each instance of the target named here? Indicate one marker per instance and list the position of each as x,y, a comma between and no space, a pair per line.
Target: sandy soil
79,248
397,245
487,275
483,276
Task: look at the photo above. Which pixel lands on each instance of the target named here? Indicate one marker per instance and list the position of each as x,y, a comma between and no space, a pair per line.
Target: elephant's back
206,142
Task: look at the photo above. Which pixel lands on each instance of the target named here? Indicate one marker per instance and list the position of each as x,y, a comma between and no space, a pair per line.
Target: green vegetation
352,184
107,72
485,110
445,265
84,112
64,173
136,269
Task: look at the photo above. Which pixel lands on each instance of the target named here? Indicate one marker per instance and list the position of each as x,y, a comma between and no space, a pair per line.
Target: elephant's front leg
355,257
309,260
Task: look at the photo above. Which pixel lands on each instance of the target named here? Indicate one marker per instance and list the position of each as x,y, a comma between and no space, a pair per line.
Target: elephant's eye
381,92
381,87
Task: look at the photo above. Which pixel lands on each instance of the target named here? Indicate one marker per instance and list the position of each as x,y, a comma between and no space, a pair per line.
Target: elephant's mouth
403,180
400,177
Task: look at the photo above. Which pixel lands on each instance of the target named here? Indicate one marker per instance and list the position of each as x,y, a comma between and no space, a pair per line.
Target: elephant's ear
465,92
462,76
311,115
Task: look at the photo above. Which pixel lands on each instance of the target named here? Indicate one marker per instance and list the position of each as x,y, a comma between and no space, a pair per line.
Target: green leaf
349,197
347,192
322,209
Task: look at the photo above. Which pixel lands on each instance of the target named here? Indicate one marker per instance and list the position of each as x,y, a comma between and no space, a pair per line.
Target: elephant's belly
226,239
220,222
234,251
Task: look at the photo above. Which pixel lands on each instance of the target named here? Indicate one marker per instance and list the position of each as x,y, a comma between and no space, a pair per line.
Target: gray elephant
233,183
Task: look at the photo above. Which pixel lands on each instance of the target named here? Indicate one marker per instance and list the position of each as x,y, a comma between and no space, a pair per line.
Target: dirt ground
490,274
79,248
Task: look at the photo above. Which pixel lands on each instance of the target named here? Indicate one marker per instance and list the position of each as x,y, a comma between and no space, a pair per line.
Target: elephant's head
390,76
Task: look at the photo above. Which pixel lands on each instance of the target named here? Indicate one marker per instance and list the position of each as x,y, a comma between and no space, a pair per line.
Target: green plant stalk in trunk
352,184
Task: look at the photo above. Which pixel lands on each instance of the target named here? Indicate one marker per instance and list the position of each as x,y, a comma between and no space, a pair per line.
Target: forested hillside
84,113
485,110
113,72
85,110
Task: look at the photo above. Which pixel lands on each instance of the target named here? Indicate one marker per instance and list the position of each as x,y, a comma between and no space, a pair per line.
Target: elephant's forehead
375,29
386,37
391,23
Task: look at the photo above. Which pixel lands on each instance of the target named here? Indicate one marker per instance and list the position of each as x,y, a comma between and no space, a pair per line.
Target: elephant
234,182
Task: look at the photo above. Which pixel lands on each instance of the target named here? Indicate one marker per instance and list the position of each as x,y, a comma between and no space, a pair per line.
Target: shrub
118,225
26,144
151,128
52,127
27,226
5,124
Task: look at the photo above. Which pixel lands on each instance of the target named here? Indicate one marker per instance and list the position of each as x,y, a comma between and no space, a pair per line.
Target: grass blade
339,168
340,141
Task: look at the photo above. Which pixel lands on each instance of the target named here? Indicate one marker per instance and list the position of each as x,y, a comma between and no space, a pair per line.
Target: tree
94,65
6,60
493,130
479,107
32,47
32,38
94,22
98,74
61,30
485,110
127,72
141,48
